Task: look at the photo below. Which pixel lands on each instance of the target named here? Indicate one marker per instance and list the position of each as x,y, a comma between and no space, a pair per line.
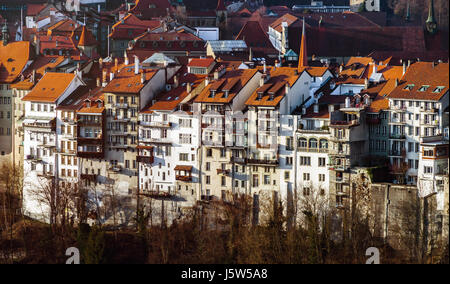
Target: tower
5,34
221,14
303,55
431,23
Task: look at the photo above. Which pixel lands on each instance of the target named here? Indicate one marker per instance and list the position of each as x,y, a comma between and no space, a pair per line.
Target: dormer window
259,97
424,88
271,97
226,93
409,87
438,89
212,94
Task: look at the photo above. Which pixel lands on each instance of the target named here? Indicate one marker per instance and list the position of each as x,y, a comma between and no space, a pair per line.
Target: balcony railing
238,160
398,153
373,121
313,130
183,178
120,119
158,124
269,162
115,169
337,123
121,105
90,177
397,121
397,136
429,109
145,159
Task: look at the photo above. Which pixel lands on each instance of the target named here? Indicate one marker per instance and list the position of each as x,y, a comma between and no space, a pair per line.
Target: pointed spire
303,55
431,22
82,41
408,12
220,6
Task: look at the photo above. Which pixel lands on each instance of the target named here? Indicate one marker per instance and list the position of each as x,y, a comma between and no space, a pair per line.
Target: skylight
424,88
439,89
409,87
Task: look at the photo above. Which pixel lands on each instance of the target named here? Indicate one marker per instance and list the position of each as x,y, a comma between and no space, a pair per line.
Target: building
41,143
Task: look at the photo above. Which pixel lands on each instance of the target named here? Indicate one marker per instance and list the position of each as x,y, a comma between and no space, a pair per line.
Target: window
321,177
266,179
438,89
208,152
286,175
184,157
305,161
323,144
302,143
208,180
428,153
409,87
322,162
306,176
423,88
289,161
255,181
427,170
312,143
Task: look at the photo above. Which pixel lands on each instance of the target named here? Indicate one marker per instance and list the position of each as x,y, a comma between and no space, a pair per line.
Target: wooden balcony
86,154
145,159
183,178
223,172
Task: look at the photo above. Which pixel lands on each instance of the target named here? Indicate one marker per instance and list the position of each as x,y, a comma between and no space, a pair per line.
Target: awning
183,168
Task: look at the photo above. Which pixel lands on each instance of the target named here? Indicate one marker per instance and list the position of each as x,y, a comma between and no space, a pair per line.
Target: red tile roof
126,81
50,87
201,62
86,38
13,59
423,74
235,80
34,9
131,26
255,37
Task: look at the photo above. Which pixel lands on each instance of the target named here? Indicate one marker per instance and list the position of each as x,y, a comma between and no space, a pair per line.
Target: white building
41,140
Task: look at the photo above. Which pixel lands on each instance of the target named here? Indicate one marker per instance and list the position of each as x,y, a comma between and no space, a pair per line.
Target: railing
398,108
399,153
120,119
314,130
397,136
145,159
158,124
238,160
115,168
34,158
397,121
91,177
183,178
432,110
429,122
271,162
69,120
121,105
344,122
156,140
338,152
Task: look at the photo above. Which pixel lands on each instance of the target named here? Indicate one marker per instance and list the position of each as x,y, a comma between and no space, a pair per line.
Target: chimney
404,68
316,108
136,65
261,80
98,82
111,76
264,68
347,102
175,81
288,88
100,63
33,76
116,63
206,81
409,63
366,83
142,77
38,45
126,59
341,68
188,88
104,82
330,108
375,68
303,110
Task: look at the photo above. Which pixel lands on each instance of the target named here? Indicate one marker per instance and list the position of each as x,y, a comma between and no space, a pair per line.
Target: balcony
397,136
340,180
397,121
183,178
46,174
398,108
263,162
238,160
223,172
213,112
89,154
90,177
397,153
339,152
121,105
156,124
90,140
120,119
157,194
430,110
47,144
145,159
340,168
116,169
338,123
165,140
429,122
314,130
89,122
69,120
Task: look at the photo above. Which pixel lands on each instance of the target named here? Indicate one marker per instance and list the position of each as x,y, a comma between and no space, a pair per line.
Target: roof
274,90
34,9
50,87
13,59
131,26
232,81
126,81
314,71
255,37
323,103
158,58
288,18
86,38
75,100
423,74
169,100
201,62
183,168
227,45
147,9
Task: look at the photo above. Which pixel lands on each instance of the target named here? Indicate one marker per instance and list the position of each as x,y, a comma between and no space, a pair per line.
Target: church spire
408,12
5,34
303,55
431,22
